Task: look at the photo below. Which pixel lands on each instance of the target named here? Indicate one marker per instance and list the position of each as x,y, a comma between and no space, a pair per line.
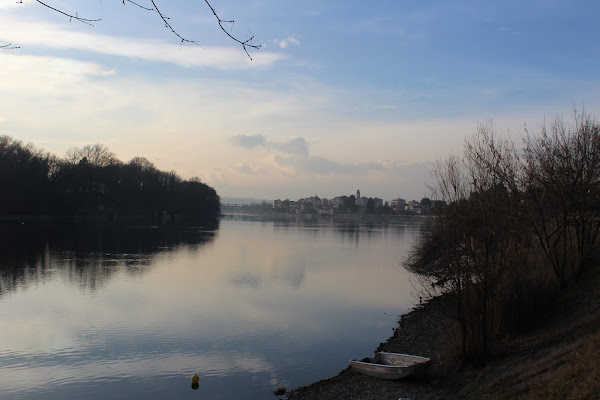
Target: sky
342,95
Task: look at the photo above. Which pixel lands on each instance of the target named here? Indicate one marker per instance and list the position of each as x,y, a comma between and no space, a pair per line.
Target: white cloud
249,141
12,4
295,145
43,34
25,72
284,43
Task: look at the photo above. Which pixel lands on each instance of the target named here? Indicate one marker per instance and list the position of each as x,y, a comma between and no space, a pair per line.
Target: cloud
249,141
7,5
292,156
295,145
509,30
323,166
246,169
369,107
45,74
285,43
45,34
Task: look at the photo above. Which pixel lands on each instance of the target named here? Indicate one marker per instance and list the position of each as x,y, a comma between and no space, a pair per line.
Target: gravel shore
425,331
557,358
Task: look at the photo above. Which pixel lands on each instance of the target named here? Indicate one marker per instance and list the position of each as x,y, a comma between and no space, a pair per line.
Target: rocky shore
425,331
557,358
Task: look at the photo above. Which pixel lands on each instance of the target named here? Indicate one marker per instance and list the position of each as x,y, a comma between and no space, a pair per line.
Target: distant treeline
520,222
91,181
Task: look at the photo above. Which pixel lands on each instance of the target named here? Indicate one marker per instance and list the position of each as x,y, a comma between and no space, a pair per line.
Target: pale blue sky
344,95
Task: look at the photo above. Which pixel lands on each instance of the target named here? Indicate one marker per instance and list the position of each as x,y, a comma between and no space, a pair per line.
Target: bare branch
139,5
9,47
71,17
245,44
170,27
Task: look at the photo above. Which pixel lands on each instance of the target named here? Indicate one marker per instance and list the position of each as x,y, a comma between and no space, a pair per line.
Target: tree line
91,181
519,223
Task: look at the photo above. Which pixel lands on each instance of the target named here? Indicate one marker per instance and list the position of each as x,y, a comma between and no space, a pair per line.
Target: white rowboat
391,365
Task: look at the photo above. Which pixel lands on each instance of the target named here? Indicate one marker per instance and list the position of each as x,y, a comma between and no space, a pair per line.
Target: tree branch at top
71,17
246,44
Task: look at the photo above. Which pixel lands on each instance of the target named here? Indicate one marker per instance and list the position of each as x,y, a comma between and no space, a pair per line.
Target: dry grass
577,379
560,359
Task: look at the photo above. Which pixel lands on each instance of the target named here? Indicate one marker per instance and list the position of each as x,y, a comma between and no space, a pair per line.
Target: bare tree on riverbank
517,224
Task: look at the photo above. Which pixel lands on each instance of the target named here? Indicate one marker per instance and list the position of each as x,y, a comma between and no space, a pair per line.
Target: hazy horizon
340,97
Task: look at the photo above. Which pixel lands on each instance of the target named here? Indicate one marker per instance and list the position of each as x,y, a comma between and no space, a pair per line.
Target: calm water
100,312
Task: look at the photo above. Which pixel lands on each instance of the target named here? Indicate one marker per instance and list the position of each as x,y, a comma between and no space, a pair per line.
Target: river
125,312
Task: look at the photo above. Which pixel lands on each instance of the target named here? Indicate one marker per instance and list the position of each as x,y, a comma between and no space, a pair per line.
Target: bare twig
71,17
139,5
9,47
245,44
170,27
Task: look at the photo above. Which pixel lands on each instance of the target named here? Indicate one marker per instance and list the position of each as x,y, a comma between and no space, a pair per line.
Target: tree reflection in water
90,253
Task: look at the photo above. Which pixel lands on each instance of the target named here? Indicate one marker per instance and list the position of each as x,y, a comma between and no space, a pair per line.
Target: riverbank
424,331
556,359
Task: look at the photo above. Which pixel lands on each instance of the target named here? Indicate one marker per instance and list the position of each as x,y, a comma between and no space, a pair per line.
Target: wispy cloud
43,34
25,72
323,166
246,168
295,145
285,43
7,5
379,107
249,141
293,156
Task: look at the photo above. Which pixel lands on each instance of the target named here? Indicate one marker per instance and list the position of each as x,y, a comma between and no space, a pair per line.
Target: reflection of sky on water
263,304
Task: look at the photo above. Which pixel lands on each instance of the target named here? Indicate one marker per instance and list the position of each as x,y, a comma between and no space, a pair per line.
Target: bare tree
246,44
143,164
559,183
517,223
467,247
96,155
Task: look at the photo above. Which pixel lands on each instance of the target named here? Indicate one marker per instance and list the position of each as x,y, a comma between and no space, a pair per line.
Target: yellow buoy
195,378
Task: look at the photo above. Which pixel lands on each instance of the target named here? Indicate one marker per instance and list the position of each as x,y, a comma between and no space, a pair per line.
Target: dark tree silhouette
91,181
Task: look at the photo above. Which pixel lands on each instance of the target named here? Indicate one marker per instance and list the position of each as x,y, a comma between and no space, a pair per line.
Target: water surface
109,311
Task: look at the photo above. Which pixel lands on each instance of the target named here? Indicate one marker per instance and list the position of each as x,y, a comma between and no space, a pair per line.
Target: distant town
352,204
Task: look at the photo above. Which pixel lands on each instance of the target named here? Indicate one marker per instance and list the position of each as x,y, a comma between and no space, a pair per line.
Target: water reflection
134,312
90,254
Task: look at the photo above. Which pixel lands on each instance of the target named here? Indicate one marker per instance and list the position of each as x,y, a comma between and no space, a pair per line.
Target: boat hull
391,366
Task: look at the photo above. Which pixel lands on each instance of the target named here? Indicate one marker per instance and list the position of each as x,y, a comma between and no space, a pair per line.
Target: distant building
315,200
336,201
398,204
306,208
